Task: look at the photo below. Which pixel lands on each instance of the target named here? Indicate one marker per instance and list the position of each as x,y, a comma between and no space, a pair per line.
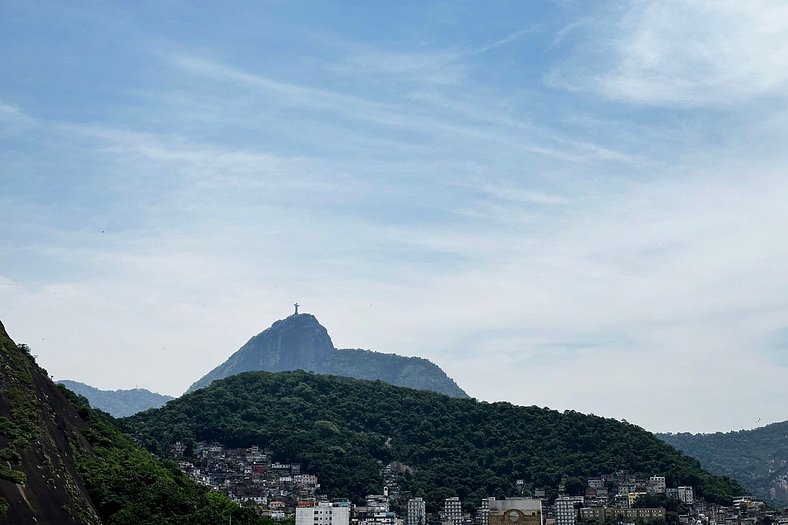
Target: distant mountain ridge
758,458
300,342
117,403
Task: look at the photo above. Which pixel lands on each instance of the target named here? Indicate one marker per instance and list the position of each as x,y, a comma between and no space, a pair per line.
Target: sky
576,205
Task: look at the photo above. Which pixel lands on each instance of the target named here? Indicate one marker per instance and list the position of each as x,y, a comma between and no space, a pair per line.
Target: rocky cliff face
296,342
38,478
300,342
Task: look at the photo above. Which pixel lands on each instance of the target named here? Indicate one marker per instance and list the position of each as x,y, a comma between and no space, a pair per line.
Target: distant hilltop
300,342
757,458
118,403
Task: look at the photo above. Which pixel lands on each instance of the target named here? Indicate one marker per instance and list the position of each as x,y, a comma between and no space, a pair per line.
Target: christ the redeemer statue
296,307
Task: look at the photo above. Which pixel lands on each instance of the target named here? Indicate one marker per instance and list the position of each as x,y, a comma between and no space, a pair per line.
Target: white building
566,509
377,503
452,510
483,512
656,485
379,518
416,513
323,514
687,495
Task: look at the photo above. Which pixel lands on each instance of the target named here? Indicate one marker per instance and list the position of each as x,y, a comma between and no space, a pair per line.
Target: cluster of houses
248,475
281,490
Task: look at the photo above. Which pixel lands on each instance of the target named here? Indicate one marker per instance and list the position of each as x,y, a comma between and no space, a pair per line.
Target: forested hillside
343,429
63,463
757,458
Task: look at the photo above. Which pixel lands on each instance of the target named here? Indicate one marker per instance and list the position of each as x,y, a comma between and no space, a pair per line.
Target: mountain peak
299,319
297,341
300,342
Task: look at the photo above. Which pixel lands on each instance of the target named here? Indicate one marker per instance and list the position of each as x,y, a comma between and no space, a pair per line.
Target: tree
575,486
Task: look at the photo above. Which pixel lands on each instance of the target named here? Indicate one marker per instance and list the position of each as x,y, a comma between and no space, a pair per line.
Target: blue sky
567,204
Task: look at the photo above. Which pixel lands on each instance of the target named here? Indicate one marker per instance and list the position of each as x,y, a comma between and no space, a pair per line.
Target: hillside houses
279,490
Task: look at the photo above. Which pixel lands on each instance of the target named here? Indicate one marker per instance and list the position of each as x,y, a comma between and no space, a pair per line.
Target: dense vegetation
757,458
78,468
118,403
128,485
343,429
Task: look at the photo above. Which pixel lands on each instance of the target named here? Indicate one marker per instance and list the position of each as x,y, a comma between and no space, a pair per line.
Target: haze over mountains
300,342
118,403
758,458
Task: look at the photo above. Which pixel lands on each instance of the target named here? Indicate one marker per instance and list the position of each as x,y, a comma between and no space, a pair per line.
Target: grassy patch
10,454
14,476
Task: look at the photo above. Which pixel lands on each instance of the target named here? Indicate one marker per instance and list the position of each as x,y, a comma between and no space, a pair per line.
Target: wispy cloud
424,67
696,53
419,115
13,119
422,193
448,66
511,37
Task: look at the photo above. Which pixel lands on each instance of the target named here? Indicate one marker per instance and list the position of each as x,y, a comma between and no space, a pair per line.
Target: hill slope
300,342
342,428
38,477
757,458
117,403
62,463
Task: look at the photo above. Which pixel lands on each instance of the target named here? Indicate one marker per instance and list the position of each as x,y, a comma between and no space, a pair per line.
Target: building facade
416,512
687,495
566,508
656,485
600,514
514,511
322,514
452,511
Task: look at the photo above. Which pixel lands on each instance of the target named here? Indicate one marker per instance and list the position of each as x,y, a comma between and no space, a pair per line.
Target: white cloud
13,119
694,53
481,227
423,67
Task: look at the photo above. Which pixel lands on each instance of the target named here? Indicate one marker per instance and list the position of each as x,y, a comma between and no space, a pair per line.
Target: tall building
656,485
322,514
483,511
452,510
514,511
566,509
687,495
417,512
